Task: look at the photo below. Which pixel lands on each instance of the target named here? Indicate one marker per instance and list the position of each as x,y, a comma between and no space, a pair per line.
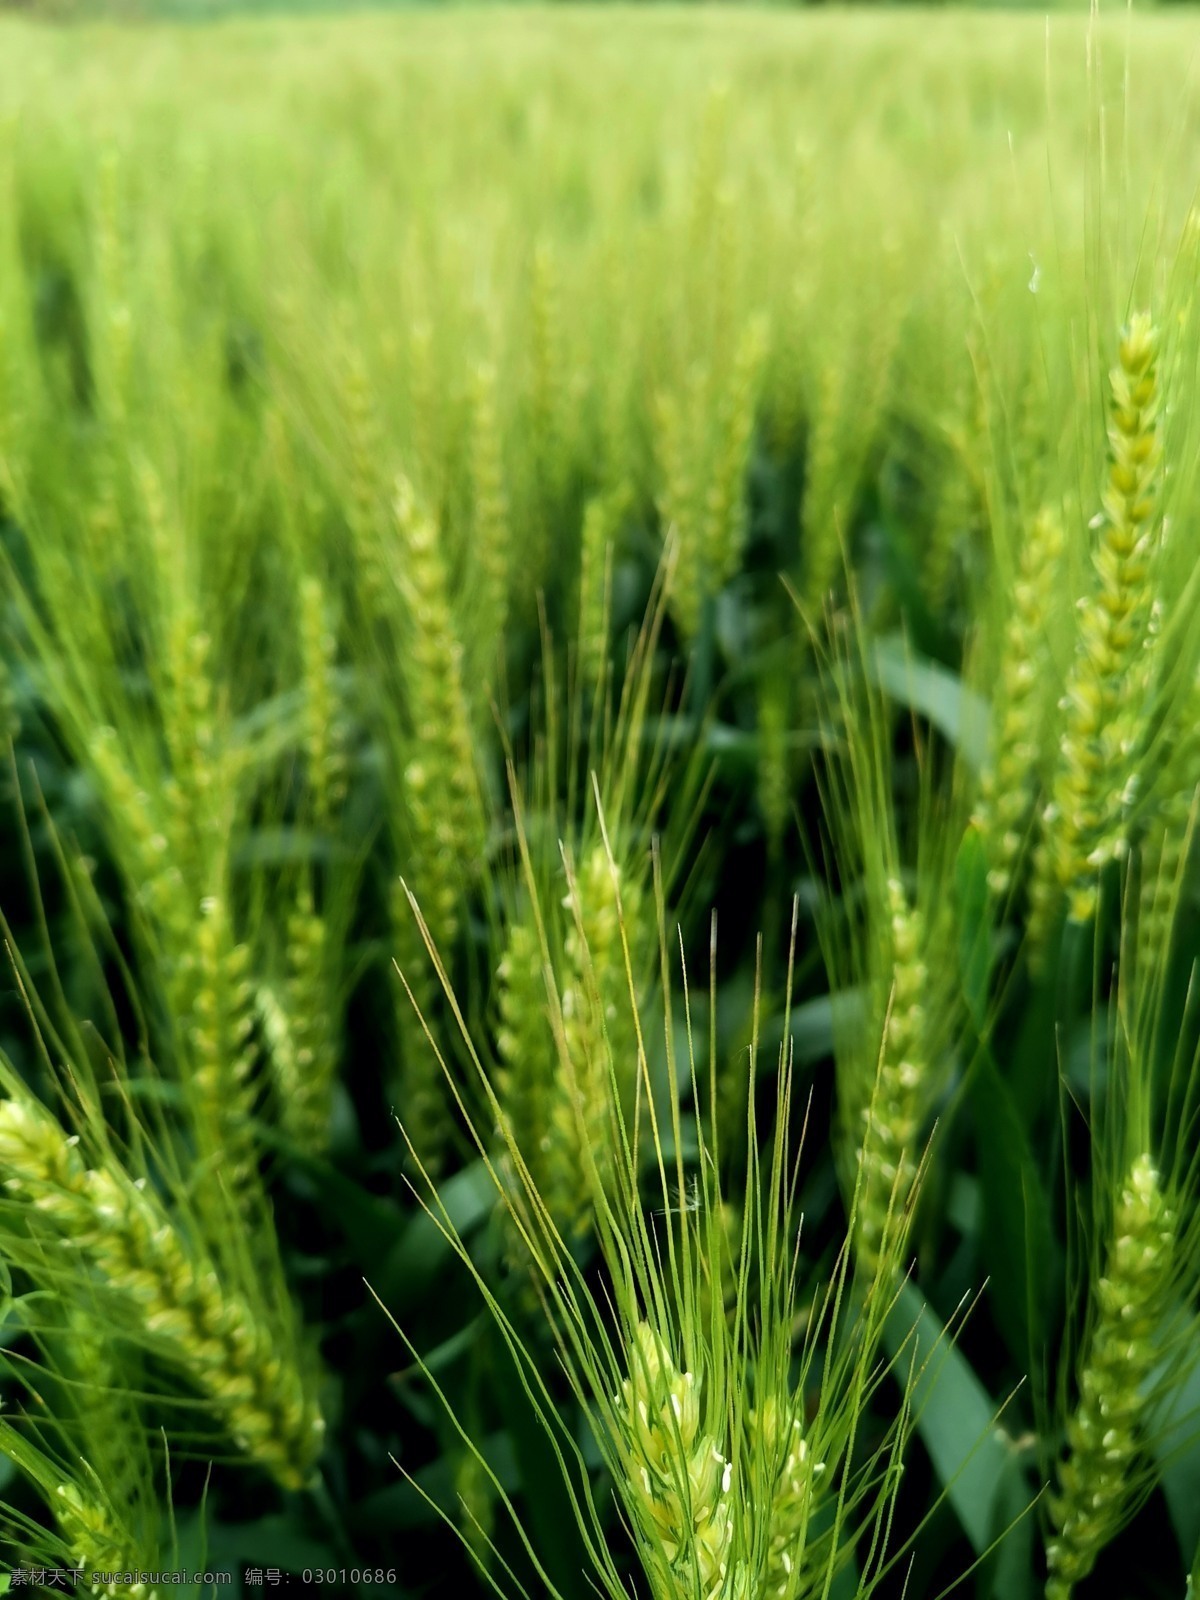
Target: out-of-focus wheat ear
324,719
111,321
527,1078
442,788
1169,810
491,533
547,386
106,1415
723,529
175,845
92,1532
197,791
1085,824
598,1041
1164,855
21,381
601,519
428,403
678,509
83,1444
957,507
1008,785
774,758
892,1116
1092,1496
821,506
223,1052
301,1026
119,1229
444,827
424,1108
96,1542
138,837
364,489
706,265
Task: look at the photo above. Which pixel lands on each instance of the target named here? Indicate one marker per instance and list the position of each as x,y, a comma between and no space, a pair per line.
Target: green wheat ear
897,1108
94,1530
324,715
692,1403
599,1043
78,1437
1091,1500
1009,782
444,820
1084,826
884,941
601,522
491,527
300,1025
1134,1364
679,1479
565,1052
703,450
163,1285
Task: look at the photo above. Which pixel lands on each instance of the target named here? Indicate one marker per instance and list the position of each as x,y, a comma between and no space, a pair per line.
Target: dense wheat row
597,626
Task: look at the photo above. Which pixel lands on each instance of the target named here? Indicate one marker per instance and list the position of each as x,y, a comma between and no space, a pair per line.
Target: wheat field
601,679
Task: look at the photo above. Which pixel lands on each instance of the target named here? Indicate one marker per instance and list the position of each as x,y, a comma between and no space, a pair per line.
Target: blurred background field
207,10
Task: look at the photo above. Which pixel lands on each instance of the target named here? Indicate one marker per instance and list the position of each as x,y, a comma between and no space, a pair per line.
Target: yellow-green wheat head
727,1423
